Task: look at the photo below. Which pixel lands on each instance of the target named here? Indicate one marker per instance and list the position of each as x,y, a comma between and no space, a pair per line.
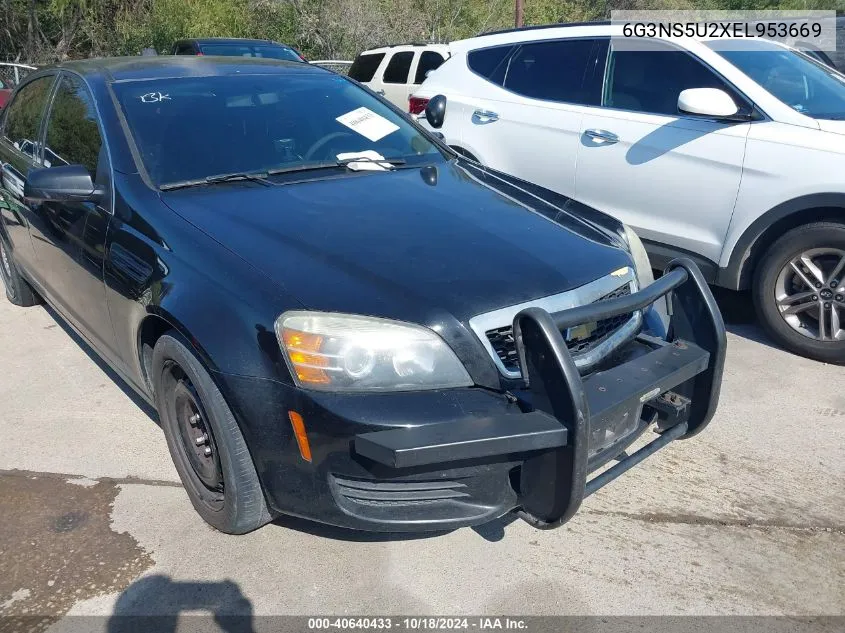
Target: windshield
195,127
804,84
241,50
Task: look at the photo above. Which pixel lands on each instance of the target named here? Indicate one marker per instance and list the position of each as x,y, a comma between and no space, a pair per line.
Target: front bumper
432,460
569,426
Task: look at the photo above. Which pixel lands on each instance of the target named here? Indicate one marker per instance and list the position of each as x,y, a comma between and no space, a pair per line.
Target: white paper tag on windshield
367,123
364,161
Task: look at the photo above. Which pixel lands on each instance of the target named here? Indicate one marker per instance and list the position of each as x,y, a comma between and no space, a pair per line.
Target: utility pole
519,13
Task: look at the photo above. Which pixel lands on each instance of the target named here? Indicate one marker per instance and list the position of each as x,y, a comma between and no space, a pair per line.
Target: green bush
42,31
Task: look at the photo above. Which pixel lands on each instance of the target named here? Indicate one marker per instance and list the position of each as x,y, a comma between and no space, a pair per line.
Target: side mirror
435,111
707,102
68,183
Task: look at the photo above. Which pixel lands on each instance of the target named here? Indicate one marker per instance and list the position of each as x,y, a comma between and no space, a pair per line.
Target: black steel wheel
205,441
195,434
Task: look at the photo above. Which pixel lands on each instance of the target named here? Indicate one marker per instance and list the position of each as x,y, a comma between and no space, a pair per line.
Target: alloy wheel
810,294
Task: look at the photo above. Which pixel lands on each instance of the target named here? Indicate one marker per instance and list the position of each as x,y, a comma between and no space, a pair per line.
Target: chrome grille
588,347
503,344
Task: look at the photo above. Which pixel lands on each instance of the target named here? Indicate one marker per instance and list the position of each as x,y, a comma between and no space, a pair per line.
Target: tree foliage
41,31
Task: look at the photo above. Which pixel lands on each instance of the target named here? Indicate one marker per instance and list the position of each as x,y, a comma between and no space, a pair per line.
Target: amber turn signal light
304,353
298,425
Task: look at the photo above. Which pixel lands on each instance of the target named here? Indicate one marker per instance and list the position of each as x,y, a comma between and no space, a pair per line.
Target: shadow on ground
740,318
113,375
154,603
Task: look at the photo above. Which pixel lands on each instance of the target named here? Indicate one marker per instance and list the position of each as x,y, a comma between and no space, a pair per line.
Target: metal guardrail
11,73
337,65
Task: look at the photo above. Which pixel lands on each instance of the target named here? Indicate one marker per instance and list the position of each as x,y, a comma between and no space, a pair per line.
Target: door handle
483,117
602,135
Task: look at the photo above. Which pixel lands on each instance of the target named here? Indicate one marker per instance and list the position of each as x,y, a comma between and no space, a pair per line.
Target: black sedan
336,316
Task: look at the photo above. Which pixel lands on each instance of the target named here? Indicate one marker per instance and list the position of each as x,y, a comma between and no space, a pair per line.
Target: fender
771,225
224,307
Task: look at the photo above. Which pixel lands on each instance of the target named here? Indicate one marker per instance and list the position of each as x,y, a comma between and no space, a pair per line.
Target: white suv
732,155
396,71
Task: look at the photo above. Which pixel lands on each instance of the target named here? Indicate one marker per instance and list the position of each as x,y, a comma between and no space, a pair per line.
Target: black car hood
410,244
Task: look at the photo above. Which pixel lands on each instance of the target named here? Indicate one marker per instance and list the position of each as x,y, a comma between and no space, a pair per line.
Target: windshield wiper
334,164
255,176
261,176
302,167
366,159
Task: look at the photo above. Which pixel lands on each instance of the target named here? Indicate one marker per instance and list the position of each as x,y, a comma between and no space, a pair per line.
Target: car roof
230,40
539,27
559,31
404,47
533,33
115,69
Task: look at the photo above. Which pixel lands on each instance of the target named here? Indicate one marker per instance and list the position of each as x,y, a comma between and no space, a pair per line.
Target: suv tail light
416,105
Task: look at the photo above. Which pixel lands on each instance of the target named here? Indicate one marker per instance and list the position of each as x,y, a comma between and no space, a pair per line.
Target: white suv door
673,177
393,82
526,119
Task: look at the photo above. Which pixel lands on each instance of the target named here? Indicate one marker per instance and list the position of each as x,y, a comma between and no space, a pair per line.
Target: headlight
641,262
345,352
657,316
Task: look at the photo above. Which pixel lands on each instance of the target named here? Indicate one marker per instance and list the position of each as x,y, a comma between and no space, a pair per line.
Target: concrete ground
748,518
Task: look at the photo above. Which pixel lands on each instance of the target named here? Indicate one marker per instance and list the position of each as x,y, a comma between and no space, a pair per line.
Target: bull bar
562,433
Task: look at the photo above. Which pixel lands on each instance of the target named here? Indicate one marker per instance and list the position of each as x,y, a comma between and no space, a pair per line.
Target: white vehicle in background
731,154
396,71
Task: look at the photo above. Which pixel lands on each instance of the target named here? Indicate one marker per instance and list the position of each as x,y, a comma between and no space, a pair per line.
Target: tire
223,486
824,243
18,290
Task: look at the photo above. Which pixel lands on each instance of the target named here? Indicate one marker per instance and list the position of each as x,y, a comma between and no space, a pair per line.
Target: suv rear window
490,63
567,71
429,60
365,66
398,68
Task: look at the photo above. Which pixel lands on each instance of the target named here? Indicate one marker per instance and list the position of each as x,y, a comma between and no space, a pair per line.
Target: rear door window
565,71
398,68
429,60
23,116
364,67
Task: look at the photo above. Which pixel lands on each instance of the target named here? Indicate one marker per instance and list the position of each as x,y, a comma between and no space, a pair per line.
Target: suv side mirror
68,183
435,111
707,102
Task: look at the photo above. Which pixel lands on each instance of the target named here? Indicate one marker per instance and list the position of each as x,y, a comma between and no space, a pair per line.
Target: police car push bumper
576,424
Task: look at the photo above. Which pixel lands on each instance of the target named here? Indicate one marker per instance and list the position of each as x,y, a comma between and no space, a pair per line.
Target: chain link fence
11,74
